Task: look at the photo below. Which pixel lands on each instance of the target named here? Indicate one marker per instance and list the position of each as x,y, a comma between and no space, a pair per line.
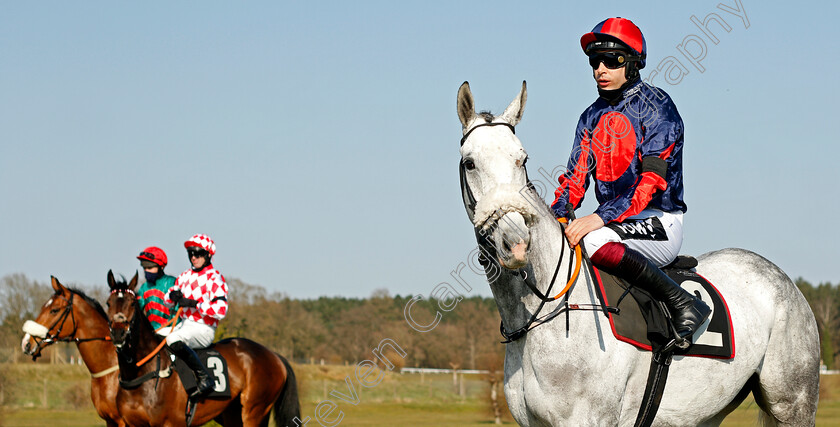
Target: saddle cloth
642,322
216,365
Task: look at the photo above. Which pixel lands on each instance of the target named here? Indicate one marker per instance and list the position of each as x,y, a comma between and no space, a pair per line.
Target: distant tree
20,300
825,303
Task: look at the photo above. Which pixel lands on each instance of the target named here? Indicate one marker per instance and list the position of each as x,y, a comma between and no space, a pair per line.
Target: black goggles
148,255
197,253
611,60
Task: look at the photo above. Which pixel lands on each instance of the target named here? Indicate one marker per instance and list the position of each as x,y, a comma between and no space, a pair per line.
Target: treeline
336,330
342,330
824,300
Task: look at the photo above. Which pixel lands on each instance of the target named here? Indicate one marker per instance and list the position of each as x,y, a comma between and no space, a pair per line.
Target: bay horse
259,378
71,316
570,370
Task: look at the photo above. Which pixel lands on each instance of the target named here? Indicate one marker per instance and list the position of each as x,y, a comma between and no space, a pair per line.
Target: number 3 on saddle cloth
216,366
642,322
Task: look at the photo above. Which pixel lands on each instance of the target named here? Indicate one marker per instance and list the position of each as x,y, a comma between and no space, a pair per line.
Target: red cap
155,255
620,30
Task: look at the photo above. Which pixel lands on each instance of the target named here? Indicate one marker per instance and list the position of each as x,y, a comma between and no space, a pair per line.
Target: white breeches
191,333
655,234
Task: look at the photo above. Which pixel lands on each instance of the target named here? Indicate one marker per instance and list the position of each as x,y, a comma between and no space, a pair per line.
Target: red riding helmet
154,254
616,33
202,241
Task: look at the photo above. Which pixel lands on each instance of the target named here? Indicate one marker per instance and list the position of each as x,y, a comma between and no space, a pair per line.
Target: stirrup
680,341
198,393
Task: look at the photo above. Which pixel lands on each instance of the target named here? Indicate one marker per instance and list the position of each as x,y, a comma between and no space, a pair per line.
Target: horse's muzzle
511,239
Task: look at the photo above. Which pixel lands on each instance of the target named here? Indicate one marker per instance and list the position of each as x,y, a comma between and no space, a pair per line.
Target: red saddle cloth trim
720,308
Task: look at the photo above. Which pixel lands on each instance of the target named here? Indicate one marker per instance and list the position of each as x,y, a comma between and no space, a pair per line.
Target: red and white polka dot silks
208,287
203,241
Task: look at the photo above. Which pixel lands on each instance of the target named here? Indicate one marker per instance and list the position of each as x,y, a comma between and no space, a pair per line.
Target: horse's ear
133,283
112,283
59,289
513,113
466,105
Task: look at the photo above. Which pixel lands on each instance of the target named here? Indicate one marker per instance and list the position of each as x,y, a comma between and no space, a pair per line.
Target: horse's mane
90,301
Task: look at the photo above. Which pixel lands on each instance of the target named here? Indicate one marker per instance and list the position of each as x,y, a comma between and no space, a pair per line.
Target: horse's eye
469,165
54,311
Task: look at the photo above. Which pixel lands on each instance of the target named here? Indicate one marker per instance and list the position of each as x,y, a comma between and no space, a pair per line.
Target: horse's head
494,182
56,321
122,308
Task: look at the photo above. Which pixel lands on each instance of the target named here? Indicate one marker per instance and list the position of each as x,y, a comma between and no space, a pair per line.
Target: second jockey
201,292
151,294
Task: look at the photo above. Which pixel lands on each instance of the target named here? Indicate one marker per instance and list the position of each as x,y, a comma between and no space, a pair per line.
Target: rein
157,349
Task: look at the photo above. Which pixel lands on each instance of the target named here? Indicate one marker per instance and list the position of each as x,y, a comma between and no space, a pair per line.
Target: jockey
201,292
151,294
629,141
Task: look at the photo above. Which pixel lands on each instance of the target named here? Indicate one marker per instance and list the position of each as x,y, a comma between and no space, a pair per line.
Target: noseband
49,339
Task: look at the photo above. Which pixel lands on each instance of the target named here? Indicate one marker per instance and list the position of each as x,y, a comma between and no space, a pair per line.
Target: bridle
52,338
129,322
126,352
466,192
49,339
530,281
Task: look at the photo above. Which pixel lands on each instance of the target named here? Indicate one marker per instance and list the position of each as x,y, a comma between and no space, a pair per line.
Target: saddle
216,366
644,322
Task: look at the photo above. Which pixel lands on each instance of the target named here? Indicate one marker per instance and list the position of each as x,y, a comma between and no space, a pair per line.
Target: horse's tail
287,406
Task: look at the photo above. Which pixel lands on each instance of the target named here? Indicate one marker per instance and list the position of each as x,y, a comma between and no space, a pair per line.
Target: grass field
404,400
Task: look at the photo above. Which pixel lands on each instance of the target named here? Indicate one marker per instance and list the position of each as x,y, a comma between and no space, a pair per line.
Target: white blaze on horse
579,374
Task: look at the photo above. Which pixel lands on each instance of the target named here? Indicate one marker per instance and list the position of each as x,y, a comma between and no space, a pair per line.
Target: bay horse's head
122,309
55,322
494,181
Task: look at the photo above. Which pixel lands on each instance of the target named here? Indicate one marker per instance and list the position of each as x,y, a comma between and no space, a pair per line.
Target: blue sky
318,144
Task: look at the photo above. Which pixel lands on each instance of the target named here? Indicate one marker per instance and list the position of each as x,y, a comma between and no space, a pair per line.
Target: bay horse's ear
59,289
466,105
133,284
112,283
513,113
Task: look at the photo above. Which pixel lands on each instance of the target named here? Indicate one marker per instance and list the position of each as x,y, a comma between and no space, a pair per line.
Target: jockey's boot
687,312
204,382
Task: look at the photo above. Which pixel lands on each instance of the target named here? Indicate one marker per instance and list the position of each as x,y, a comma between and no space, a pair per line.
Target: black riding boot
202,377
687,312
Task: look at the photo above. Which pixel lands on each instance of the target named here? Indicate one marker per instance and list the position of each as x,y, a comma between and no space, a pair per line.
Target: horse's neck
98,354
143,343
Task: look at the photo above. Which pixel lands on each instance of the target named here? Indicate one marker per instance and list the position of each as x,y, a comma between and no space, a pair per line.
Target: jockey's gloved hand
176,296
186,302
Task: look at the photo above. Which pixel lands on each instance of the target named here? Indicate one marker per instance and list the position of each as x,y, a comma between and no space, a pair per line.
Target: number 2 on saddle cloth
642,322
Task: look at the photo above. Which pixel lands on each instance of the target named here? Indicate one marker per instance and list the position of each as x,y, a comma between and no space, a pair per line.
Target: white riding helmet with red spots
202,241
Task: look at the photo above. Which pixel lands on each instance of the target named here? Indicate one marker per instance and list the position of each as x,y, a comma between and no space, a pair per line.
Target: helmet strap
631,70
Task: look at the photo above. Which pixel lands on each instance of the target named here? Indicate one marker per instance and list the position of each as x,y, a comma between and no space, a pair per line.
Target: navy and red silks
633,151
